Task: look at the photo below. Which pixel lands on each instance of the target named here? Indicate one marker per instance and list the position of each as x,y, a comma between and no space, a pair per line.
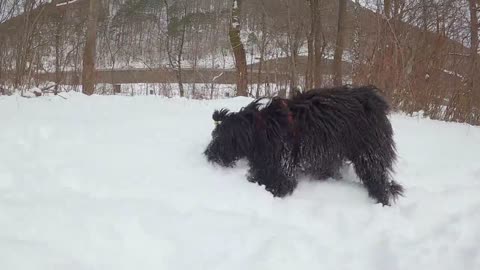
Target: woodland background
423,54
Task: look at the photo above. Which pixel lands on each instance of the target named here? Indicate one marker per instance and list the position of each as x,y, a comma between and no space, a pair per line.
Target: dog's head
231,138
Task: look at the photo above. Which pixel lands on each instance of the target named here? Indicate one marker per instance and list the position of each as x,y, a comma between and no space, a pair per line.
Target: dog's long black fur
314,133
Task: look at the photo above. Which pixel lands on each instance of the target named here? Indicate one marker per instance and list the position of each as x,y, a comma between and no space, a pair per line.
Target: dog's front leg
276,181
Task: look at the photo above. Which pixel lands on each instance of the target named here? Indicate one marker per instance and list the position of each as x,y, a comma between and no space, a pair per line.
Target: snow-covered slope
120,183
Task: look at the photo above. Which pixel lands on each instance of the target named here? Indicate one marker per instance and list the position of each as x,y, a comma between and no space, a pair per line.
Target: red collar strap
290,114
261,123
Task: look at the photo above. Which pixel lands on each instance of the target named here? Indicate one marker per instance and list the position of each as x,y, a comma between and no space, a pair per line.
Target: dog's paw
390,195
282,189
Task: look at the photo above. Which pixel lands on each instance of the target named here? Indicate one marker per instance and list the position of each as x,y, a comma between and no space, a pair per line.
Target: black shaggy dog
314,133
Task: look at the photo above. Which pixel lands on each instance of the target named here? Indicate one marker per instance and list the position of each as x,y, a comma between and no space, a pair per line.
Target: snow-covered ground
112,182
197,91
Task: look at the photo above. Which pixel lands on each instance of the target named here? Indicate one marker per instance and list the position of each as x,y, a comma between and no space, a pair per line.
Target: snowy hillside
118,183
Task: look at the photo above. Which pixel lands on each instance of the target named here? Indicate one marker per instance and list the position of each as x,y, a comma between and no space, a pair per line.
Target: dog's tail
396,190
372,99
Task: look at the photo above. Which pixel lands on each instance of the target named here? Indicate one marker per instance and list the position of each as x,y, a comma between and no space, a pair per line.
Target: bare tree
262,45
309,76
320,44
474,6
58,25
238,49
88,72
180,54
473,91
337,58
316,48
175,42
25,47
8,8
293,46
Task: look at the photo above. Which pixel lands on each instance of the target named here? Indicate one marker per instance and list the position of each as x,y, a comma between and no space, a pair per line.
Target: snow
66,3
116,182
202,90
453,73
31,92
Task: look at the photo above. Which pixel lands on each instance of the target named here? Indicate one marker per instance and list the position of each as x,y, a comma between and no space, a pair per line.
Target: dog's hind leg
373,151
375,174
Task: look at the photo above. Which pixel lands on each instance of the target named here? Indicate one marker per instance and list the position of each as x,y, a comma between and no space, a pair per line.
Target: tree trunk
293,45
262,49
25,44
473,85
175,60
387,6
356,45
293,70
238,49
58,33
195,52
337,59
1,64
473,41
320,45
179,57
310,71
88,73
315,47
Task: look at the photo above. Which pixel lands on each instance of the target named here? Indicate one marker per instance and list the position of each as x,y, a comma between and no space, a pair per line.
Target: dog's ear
219,116
256,105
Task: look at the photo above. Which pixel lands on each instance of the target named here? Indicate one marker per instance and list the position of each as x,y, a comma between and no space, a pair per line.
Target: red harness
290,114
290,119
